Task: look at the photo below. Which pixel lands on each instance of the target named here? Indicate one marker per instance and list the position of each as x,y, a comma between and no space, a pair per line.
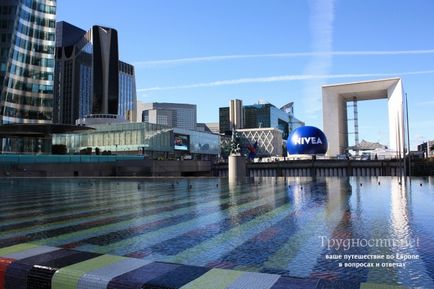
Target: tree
235,144
59,149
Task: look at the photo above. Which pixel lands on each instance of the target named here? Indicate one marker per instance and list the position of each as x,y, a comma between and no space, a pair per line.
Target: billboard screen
181,142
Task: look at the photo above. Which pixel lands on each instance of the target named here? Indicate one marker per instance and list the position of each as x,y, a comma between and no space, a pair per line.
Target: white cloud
281,78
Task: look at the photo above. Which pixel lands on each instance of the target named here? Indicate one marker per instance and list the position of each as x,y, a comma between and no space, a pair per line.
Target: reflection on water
264,224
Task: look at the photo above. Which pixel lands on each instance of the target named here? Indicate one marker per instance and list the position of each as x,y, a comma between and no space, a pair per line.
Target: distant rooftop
366,145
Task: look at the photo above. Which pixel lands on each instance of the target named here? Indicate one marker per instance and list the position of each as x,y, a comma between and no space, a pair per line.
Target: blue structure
307,140
252,150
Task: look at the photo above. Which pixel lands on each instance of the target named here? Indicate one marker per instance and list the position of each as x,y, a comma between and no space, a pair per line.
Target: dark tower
105,70
88,73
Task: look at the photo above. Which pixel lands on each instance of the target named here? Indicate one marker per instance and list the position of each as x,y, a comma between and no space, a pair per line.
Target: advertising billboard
307,140
181,142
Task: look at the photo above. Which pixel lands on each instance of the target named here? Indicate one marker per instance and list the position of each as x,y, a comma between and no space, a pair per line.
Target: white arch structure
335,97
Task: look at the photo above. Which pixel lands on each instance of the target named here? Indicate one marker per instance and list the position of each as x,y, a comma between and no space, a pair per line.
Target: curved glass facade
28,65
153,140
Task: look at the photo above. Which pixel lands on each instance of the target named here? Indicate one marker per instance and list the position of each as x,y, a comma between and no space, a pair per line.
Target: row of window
31,73
30,87
7,9
26,100
28,114
4,52
32,60
29,46
25,15
127,137
5,38
85,90
5,24
34,33
35,5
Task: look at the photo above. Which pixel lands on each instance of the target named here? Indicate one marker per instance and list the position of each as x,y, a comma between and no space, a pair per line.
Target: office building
293,122
140,106
155,141
260,115
127,92
224,121
27,41
427,148
179,115
211,127
90,81
236,117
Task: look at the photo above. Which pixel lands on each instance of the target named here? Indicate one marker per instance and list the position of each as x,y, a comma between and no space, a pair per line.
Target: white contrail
321,28
425,103
204,59
281,78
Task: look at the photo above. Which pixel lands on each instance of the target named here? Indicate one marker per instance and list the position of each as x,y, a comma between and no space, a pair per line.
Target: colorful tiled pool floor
30,266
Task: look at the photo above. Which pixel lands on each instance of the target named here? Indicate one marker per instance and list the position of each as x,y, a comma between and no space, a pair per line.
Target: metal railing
38,159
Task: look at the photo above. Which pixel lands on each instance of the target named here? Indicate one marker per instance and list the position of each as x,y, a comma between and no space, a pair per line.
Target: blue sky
207,52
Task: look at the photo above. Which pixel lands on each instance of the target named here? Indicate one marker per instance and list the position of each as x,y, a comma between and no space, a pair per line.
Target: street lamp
408,136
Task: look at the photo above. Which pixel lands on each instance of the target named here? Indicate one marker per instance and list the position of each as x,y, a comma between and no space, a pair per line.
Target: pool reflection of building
152,140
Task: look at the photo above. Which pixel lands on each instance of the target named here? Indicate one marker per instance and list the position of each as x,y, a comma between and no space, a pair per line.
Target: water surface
275,225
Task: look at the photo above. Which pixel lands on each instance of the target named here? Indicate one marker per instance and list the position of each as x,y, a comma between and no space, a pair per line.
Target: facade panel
27,44
127,92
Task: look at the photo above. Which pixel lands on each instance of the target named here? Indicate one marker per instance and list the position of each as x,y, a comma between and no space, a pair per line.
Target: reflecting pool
366,230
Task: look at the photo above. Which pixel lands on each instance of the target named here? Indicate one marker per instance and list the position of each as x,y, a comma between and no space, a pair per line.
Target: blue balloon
307,140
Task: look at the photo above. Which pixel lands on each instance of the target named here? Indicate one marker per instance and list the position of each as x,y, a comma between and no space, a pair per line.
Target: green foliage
235,144
59,149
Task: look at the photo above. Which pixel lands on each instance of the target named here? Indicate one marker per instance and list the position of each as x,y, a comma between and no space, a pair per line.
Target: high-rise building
90,80
127,92
27,44
236,117
179,115
261,115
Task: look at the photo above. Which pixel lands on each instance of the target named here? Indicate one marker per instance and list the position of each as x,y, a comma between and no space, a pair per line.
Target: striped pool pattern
200,228
29,266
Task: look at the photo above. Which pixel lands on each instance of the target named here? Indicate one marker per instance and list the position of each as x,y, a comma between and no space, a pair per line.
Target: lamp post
408,136
116,151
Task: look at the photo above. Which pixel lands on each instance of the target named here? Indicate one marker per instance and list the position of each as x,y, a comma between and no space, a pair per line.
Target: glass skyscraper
127,92
27,44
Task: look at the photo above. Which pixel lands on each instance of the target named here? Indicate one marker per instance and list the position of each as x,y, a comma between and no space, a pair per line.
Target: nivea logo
307,140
